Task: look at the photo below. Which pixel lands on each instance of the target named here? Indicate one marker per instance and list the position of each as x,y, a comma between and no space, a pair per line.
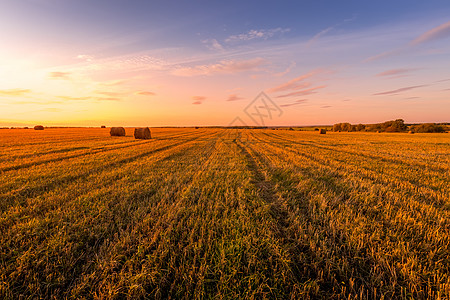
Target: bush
427,128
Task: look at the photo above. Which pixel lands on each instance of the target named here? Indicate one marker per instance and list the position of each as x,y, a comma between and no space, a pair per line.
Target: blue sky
200,62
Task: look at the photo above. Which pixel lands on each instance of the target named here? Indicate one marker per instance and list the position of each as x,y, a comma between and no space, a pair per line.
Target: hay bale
117,131
322,131
142,133
103,126
411,132
38,127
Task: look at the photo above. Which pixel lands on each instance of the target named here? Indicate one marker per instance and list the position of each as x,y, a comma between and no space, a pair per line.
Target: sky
203,63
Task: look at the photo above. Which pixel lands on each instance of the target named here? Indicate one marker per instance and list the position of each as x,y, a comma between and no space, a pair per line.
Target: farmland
224,213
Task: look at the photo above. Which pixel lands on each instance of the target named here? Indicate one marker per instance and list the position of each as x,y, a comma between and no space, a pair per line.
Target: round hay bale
322,131
117,131
411,132
142,133
103,126
38,127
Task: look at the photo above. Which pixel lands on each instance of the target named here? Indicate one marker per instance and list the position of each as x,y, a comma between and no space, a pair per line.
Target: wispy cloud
234,97
106,99
144,93
114,82
85,57
59,75
288,69
441,31
74,98
14,92
198,99
223,67
400,90
326,30
304,92
394,72
256,34
296,83
325,106
213,44
297,102
111,94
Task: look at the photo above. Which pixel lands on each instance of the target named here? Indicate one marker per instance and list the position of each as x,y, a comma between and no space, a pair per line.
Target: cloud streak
295,83
394,72
198,99
59,75
145,93
223,67
305,92
256,34
14,92
400,90
298,102
439,32
234,97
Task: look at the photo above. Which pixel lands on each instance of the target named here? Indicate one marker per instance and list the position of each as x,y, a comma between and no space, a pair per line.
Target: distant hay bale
38,127
411,132
322,131
117,131
103,126
142,133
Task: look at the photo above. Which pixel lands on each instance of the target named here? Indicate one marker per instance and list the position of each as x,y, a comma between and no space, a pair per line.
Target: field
224,213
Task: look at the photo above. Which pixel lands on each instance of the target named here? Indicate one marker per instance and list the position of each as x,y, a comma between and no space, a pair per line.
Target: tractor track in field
35,191
283,228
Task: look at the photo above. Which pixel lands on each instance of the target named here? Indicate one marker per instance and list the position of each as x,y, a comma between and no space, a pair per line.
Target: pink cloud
394,72
223,67
302,92
295,83
438,32
297,102
288,69
198,99
145,93
399,90
234,97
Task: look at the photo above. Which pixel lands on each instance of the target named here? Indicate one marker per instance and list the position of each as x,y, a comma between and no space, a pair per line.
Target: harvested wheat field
224,213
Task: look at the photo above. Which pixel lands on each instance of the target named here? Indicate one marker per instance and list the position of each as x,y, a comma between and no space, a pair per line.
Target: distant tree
346,127
360,127
337,127
427,128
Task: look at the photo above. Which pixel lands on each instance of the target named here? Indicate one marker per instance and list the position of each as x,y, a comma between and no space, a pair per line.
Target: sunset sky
159,63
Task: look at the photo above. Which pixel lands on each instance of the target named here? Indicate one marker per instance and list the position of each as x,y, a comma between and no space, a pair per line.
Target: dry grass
212,213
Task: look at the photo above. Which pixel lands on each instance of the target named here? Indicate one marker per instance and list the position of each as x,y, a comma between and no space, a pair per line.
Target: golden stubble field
224,213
